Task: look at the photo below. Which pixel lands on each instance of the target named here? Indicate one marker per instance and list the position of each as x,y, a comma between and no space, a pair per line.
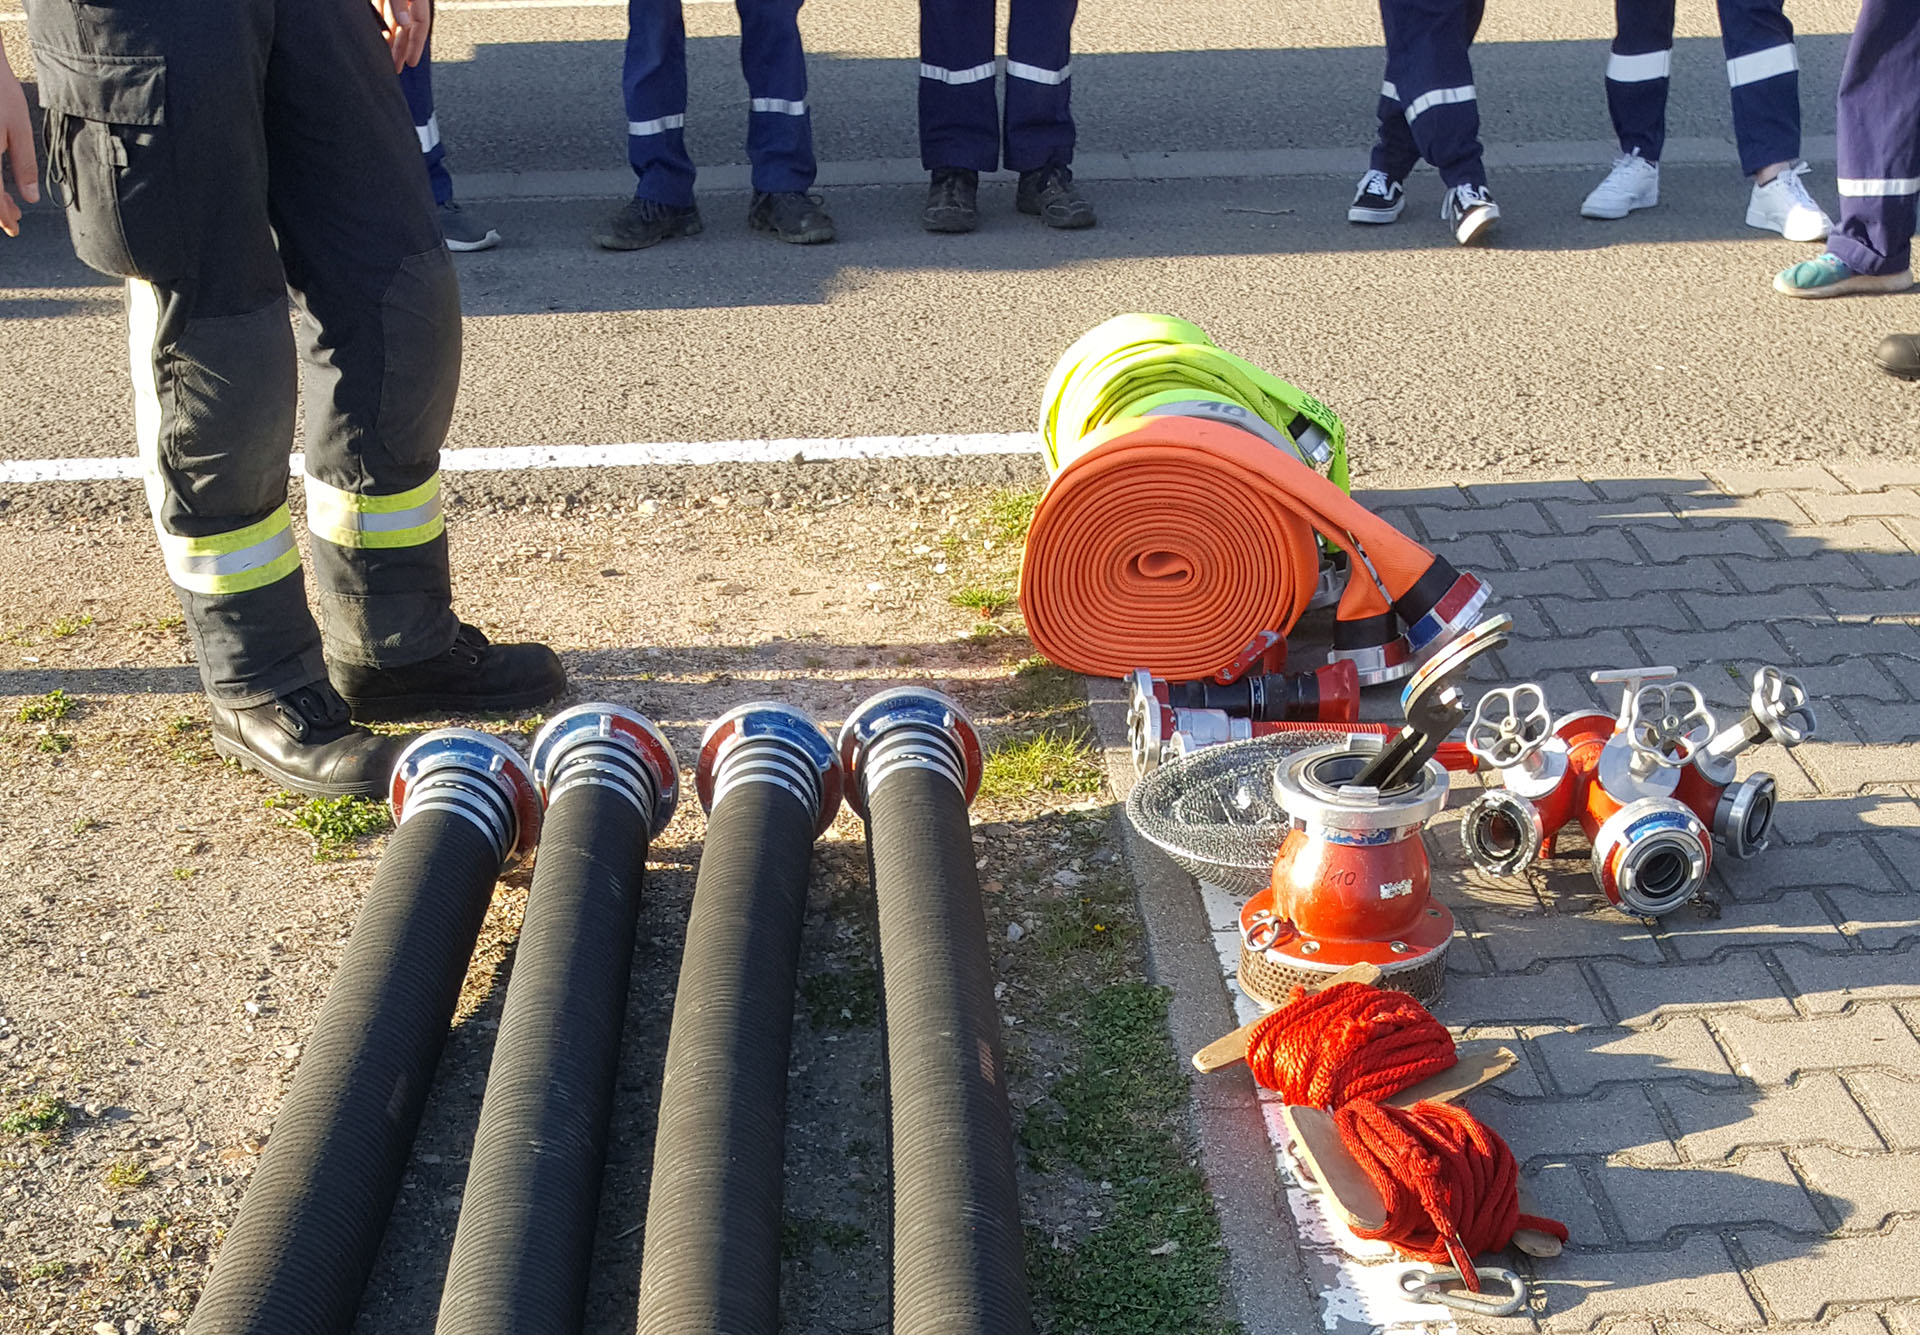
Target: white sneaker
1377,200
1470,211
1634,183
1783,205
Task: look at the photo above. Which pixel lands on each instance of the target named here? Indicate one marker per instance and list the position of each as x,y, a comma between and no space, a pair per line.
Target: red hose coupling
610,746
1441,604
473,775
769,742
1352,881
1651,856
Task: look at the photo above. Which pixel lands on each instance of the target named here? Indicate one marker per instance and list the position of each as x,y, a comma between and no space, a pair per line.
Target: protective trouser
1427,104
183,140
416,81
779,128
1880,139
1763,71
959,110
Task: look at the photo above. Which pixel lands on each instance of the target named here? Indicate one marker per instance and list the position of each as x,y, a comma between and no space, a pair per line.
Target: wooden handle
1230,1048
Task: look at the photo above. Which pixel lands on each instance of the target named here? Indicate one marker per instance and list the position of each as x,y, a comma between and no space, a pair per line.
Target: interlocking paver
1696,653
1641,993
1830,982
1655,484
1640,511
1904,1319
1625,583
1560,580
1850,676
1758,1186
1828,570
1876,474
1754,481
1741,539
1843,861
1893,501
1863,1189
1769,1051
1617,1121
1718,611
1847,763
1697,1278
1530,659
1893,1102
1715,1123
1555,995
1649,609
1879,723
1555,489
1823,642
1795,917
1801,1280
1556,1191
1519,940
1533,549
1482,555
1774,508
1679,1049
1879,604
1510,517
1878,922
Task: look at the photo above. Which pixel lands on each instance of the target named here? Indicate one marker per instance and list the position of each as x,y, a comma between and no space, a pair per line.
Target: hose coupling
1502,831
610,746
1651,856
1379,653
1441,604
908,727
1332,582
769,742
1743,820
475,776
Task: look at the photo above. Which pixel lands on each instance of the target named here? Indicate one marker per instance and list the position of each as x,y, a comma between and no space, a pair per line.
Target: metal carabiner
1427,1285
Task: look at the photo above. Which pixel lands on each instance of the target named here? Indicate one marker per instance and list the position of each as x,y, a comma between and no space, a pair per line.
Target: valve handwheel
1666,724
1780,702
1510,725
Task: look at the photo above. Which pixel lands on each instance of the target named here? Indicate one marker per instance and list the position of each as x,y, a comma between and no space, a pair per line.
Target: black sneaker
1051,194
1378,200
463,231
1469,213
1899,355
305,741
953,201
792,216
644,222
473,677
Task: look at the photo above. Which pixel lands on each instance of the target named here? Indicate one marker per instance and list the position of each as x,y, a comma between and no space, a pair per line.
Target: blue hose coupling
610,746
908,727
473,775
769,742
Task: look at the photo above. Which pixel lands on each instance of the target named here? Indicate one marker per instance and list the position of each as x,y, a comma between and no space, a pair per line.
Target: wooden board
1230,1048
1475,1064
1316,1145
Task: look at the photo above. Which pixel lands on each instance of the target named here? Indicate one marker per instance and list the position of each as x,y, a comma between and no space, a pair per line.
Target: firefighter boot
305,741
473,676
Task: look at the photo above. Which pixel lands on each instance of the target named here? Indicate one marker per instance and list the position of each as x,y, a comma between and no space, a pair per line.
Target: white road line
660,454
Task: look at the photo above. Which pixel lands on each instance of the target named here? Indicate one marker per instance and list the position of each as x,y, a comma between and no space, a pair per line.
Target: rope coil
1351,1041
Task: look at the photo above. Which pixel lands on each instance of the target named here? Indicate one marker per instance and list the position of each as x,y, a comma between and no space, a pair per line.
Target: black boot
473,677
953,201
1051,195
1900,355
305,741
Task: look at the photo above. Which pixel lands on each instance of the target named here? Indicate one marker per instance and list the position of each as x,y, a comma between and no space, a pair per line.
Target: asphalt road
1572,346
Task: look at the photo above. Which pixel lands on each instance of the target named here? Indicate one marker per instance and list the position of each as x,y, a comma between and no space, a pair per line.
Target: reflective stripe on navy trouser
1763,72
416,81
182,146
1879,124
654,78
960,122
1428,108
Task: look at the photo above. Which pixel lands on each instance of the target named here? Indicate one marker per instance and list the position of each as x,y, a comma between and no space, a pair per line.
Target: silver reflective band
659,126
1885,188
1391,93
186,566
429,133
1438,97
1641,68
940,75
1768,64
780,105
1034,74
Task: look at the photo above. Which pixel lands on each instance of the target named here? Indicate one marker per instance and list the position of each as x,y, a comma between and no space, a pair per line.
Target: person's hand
16,148
407,23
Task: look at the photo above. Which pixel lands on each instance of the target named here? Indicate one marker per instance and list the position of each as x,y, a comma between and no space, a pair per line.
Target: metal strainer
1213,810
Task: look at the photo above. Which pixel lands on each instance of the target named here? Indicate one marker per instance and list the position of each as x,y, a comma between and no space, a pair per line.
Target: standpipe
525,1234
913,764
304,1241
770,782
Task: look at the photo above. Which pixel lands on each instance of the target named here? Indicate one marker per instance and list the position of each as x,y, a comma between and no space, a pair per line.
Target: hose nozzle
473,775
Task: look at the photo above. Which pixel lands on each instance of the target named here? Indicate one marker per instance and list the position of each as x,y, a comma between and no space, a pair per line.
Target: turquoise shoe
1830,276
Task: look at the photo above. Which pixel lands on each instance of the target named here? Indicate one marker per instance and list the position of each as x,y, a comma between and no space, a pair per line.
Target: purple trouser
1880,139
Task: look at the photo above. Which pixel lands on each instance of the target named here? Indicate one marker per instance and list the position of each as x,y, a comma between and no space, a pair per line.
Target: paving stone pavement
1724,1105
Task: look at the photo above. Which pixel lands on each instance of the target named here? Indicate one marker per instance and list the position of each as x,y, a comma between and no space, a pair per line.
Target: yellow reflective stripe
235,561
348,519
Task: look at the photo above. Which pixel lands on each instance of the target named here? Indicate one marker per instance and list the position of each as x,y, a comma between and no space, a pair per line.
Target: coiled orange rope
1352,1041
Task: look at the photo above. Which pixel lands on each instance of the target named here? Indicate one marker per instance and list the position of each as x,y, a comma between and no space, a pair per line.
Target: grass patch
1057,761
185,873
842,999
800,1234
335,824
1042,688
1153,1262
1010,513
56,743
35,1117
186,740
49,708
62,627
985,603
47,1270
127,1176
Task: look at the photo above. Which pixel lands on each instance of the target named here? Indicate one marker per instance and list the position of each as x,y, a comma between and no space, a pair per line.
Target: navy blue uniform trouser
1880,139
218,155
654,78
960,124
416,81
1763,74
1428,108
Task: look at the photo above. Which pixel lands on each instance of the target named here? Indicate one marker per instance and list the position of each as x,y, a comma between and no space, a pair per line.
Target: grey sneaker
644,222
792,216
463,231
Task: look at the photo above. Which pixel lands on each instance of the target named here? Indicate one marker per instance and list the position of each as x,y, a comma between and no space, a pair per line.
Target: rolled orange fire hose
1171,543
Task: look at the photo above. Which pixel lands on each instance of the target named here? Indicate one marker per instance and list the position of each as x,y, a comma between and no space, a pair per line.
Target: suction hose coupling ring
1502,832
1651,856
769,742
1743,820
614,747
1442,603
475,776
908,727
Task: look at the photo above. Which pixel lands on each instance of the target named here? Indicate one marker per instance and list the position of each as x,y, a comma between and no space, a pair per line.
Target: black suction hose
770,782
309,1227
913,762
525,1236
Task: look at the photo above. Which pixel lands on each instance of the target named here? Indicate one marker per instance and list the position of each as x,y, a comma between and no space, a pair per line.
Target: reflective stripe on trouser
1879,125
1428,107
960,124
1762,72
417,83
654,80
